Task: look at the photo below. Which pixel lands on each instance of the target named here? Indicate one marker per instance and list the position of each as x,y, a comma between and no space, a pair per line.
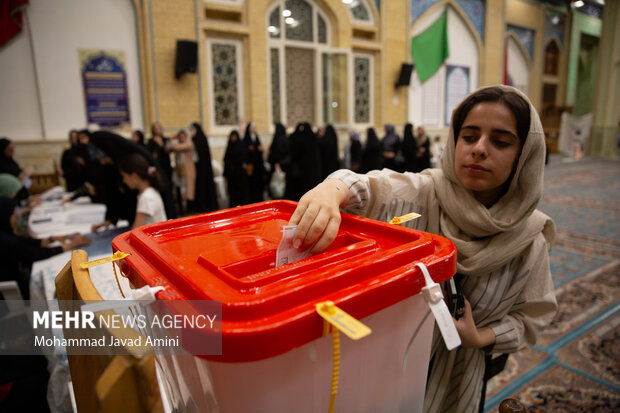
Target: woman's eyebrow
502,131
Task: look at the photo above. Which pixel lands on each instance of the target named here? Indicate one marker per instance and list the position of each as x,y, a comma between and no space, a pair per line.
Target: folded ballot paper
286,253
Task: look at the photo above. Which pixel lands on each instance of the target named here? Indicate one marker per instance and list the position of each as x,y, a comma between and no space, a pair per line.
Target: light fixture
289,20
578,3
334,104
601,2
555,20
347,1
286,13
273,29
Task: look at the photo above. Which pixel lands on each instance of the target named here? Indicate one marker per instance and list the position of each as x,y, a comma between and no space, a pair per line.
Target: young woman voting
483,197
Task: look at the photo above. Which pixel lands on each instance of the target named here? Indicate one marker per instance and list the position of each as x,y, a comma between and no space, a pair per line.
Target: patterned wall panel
554,27
275,86
225,95
360,12
299,86
322,30
301,11
526,37
361,66
474,9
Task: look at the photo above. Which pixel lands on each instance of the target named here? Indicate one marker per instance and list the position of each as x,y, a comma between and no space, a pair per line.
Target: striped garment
515,301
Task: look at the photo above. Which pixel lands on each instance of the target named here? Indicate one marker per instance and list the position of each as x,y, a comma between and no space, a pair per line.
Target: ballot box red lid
229,256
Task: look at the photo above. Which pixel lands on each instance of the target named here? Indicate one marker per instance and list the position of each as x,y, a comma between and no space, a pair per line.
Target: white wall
427,102
59,28
518,68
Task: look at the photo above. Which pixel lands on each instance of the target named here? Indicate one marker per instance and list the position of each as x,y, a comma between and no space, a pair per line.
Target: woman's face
132,180
9,150
486,151
73,137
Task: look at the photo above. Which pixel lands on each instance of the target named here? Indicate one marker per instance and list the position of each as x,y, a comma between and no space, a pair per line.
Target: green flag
430,48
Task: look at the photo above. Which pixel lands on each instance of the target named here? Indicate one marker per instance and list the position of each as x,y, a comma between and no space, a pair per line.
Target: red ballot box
274,352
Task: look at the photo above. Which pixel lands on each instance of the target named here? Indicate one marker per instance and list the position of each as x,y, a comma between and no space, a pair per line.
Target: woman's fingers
328,235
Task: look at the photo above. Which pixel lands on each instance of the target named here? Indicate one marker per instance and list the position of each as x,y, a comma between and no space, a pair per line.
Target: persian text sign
105,87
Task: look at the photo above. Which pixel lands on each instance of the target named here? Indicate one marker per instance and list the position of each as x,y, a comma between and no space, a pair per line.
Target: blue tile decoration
592,10
474,9
526,36
555,24
420,6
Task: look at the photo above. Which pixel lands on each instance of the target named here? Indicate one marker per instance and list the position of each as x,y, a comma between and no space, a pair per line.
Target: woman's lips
477,169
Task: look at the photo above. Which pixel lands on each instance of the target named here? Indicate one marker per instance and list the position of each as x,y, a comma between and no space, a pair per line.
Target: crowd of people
147,181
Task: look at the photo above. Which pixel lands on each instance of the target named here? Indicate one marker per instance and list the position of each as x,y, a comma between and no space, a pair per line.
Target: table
42,287
58,216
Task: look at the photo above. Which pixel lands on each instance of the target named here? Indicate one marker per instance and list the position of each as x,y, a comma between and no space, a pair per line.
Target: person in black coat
205,199
305,170
410,148
371,155
390,145
73,166
8,164
120,201
423,154
158,145
256,165
234,170
328,143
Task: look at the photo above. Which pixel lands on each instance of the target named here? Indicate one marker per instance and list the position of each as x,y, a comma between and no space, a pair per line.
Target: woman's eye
502,144
468,138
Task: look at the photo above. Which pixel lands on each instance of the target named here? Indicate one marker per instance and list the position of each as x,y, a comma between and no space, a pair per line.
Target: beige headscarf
487,239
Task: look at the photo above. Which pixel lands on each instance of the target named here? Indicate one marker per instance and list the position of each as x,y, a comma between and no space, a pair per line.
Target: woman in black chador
255,163
119,199
371,155
410,148
328,144
158,145
73,166
390,145
234,170
205,199
278,157
423,154
305,170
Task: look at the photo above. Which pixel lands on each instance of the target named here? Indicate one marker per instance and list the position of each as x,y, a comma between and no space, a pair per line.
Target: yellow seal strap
404,218
118,255
335,317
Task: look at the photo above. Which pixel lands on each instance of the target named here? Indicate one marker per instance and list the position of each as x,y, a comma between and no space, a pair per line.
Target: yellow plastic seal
404,218
118,255
353,328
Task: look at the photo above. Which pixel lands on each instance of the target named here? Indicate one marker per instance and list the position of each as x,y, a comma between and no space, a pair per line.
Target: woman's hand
318,215
75,241
102,225
472,337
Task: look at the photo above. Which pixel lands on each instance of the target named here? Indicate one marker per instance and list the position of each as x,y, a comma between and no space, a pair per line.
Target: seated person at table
11,187
18,253
8,164
139,175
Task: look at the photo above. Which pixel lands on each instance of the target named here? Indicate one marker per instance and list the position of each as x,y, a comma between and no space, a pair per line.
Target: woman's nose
480,147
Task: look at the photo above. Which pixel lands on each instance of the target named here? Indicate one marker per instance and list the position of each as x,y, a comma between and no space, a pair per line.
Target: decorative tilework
301,11
275,86
359,11
473,9
299,85
225,84
554,30
592,10
322,30
274,21
526,37
361,67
